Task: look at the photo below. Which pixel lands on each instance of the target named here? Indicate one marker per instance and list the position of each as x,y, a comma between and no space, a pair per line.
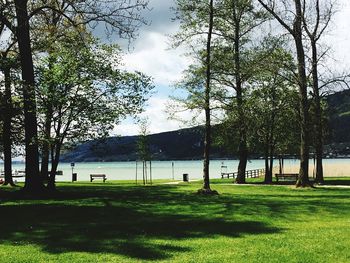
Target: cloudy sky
150,54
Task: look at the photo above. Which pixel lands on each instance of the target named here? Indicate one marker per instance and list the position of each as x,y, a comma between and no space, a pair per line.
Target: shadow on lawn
133,222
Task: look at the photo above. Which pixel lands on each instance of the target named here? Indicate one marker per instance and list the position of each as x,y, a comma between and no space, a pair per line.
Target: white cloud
153,57
157,114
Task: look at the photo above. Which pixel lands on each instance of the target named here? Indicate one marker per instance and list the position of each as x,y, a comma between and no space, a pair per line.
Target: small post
136,171
143,172
72,165
172,169
150,171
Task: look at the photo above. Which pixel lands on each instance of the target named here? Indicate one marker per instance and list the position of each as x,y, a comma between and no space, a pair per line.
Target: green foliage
82,84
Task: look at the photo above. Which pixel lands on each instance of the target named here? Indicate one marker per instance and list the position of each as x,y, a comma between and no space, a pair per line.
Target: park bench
288,176
98,176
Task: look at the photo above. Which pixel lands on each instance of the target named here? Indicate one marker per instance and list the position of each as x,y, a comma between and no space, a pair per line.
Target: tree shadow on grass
125,221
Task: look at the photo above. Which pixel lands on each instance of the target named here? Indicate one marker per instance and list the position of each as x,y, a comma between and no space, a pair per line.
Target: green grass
121,222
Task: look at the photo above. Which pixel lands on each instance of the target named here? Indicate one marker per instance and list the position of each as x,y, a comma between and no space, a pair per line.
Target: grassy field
121,222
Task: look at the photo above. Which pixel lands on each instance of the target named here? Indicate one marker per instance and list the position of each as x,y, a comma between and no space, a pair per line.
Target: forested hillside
187,144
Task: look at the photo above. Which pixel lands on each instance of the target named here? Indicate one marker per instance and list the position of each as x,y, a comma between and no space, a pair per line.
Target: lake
163,169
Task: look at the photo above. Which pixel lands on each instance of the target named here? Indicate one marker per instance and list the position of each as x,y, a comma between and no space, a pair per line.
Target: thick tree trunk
33,183
207,137
303,178
318,116
7,138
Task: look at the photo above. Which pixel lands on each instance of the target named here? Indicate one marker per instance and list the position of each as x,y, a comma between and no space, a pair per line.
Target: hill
184,144
187,144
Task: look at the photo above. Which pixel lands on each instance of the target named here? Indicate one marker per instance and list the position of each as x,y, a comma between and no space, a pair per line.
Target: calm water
161,169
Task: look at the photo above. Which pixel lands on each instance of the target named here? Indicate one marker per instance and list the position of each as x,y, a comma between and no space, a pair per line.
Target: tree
294,12
316,19
274,117
7,63
8,66
207,137
86,93
235,63
197,19
118,16
143,147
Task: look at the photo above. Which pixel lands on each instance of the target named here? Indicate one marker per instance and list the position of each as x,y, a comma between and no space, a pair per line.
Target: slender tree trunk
318,115
271,143
272,152
7,138
33,182
51,185
46,145
207,137
267,168
143,172
303,178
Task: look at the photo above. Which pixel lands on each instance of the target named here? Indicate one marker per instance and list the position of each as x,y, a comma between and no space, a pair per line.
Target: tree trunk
242,148
51,185
303,178
207,137
272,152
7,138
271,144
267,168
33,182
318,115
46,146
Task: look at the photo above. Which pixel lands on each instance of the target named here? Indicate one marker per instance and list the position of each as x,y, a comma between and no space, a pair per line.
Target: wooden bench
290,176
98,176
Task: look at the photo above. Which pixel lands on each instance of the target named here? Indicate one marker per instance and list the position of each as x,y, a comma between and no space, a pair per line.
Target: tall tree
207,137
119,16
7,64
197,21
87,93
294,12
235,62
316,19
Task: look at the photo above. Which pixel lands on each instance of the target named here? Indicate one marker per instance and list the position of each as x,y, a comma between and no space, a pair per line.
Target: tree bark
33,182
7,135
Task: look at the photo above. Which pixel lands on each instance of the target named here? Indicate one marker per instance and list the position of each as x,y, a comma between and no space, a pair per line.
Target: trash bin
185,177
74,177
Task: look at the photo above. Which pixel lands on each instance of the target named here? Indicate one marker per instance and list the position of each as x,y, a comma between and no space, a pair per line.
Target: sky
151,54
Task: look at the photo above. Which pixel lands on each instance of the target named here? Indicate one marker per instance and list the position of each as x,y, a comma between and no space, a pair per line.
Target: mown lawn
120,222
